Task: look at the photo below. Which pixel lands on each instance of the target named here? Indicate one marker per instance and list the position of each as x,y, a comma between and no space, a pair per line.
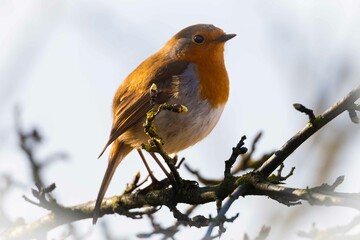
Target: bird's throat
214,82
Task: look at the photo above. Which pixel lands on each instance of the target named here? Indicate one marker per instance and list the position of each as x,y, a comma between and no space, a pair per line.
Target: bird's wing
130,106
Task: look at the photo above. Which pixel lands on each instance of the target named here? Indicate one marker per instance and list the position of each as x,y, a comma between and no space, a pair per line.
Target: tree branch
270,165
299,138
323,195
193,194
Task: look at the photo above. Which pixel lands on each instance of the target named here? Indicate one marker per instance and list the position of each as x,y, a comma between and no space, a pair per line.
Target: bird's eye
198,39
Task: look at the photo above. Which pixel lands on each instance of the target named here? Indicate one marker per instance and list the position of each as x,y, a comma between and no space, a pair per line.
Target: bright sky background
62,61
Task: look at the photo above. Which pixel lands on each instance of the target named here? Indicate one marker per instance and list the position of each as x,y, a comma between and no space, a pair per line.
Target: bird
189,70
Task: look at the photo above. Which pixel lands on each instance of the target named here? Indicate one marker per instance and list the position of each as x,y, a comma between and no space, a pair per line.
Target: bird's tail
117,153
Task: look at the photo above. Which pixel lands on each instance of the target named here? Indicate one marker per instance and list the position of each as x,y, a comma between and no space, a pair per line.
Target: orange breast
214,82
211,71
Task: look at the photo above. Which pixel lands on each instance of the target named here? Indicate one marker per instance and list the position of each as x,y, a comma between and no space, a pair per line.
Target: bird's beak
225,37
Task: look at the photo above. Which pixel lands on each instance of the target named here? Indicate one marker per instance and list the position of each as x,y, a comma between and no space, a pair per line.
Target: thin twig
299,138
334,233
307,111
239,192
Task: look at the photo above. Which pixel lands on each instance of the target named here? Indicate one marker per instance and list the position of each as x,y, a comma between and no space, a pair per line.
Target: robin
188,70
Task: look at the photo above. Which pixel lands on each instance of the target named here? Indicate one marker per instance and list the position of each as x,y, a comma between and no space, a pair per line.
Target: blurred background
62,61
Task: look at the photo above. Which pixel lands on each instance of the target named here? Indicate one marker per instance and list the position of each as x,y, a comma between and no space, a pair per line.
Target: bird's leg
153,179
169,176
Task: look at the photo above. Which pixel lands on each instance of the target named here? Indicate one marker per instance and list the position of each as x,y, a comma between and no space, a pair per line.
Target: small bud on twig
307,111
